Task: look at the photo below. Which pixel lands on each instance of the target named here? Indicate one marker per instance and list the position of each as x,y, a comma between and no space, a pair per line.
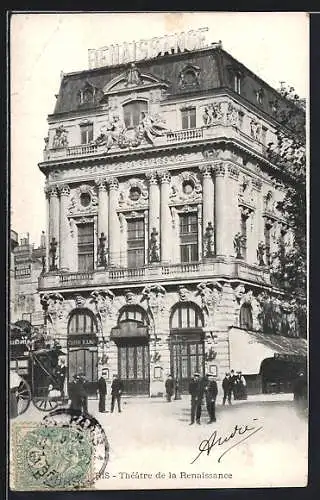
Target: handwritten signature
207,444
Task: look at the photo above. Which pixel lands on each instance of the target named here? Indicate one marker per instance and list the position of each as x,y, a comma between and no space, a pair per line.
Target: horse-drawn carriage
41,380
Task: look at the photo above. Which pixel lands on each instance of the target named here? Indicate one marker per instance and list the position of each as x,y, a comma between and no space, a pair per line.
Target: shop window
132,113
188,118
188,237
246,317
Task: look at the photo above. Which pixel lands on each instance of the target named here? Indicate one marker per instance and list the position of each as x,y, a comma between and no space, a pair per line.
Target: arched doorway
132,339
186,343
83,347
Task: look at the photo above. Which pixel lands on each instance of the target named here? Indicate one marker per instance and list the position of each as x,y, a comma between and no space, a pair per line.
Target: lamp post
175,344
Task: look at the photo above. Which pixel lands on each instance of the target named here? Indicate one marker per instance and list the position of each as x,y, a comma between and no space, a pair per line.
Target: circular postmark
68,450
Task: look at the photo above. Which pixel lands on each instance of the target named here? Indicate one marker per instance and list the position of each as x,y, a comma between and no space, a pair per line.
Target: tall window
246,317
85,247
86,133
189,237
135,231
132,113
82,322
188,118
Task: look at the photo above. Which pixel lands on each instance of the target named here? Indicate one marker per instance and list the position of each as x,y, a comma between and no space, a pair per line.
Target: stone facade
211,175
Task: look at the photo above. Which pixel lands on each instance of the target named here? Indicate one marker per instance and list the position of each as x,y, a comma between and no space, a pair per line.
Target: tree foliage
289,266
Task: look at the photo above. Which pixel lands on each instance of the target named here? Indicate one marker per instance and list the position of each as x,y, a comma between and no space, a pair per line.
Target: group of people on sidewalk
116,392
234,385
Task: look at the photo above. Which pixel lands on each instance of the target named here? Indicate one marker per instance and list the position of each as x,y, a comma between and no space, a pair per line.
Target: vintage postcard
158,272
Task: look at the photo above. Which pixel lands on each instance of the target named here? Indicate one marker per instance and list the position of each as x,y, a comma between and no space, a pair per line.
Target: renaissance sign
147,49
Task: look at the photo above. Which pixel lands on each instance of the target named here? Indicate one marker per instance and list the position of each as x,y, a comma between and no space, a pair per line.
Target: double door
187,357
134,365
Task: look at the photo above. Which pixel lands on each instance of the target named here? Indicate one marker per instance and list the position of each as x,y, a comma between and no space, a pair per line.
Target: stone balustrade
208,269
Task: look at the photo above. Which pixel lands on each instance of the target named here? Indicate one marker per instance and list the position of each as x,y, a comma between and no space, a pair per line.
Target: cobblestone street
152,436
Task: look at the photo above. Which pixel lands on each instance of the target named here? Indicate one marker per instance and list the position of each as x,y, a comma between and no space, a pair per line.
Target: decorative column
165,219
220,209
53,215
258,225
113,222
64,227
153,223
47,229
103,206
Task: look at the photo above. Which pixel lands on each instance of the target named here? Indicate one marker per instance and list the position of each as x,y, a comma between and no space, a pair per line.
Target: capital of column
233,171
206,170
112,182
164,176
219,169
152,177
64,190
51,191
101,184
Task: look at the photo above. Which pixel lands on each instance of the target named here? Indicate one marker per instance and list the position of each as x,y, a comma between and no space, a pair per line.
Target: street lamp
175,344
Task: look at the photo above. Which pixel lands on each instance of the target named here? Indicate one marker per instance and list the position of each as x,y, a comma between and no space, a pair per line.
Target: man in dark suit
196,389
74,393
102,388
169,385
116,391
226,386
211,391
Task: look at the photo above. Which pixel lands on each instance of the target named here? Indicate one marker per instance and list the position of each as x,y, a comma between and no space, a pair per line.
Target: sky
272,45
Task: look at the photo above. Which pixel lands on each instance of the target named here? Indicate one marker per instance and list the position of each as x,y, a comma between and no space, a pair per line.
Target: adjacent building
162,222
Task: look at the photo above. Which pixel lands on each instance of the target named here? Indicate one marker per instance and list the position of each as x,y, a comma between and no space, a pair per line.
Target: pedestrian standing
74,393
211,392
102,388
227,389
242,386
83,392
196,391
116,392
233,382
169,385
61,375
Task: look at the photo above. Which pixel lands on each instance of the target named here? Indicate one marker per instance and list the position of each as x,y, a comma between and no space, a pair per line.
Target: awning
129,329
249,349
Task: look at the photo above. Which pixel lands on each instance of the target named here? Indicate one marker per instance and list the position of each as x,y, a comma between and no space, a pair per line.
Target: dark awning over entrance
249,349
129,329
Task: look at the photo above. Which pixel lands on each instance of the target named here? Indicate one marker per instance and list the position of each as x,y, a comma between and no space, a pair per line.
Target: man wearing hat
211,391
102,388
196,389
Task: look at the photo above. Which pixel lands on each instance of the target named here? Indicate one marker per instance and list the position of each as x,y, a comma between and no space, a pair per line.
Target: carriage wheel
23,397
44,404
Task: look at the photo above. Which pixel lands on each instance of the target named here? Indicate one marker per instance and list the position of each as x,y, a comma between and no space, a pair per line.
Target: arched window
186,315
246,317
133,313
82,321
132,113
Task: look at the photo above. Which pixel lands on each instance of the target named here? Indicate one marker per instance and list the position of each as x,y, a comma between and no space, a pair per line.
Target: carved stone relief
186,187
84,200
133,194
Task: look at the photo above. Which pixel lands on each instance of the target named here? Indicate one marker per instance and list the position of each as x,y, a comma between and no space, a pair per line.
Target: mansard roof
213,67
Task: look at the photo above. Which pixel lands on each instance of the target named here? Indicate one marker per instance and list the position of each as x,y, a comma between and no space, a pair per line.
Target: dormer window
189,76
132,113
237,83
260,96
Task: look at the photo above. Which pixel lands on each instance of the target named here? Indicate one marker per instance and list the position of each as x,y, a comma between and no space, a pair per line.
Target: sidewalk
185,398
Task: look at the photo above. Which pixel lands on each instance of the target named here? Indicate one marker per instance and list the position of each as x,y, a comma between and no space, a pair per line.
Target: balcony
202,134
218,267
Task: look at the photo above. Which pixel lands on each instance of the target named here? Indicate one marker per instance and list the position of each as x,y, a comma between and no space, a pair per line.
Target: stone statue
154,247
102,251
60,139
133,76
53,252
239,242
152,126
209,241
260,253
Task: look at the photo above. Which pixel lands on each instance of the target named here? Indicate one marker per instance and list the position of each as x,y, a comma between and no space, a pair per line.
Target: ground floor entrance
134,365
85,361
187,356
